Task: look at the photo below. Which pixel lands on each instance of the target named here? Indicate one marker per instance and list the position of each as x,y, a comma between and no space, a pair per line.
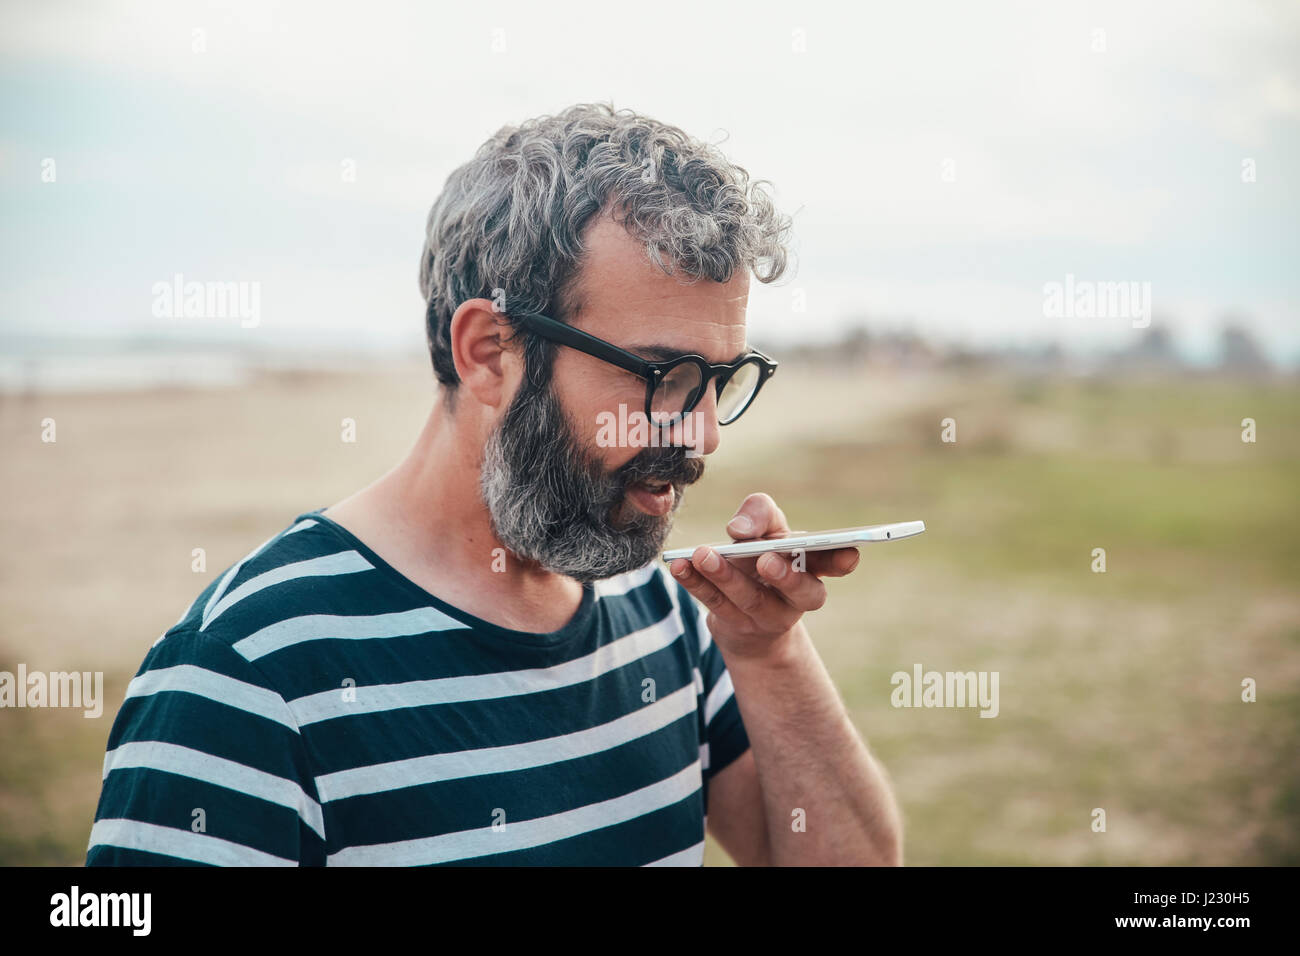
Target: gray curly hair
512,218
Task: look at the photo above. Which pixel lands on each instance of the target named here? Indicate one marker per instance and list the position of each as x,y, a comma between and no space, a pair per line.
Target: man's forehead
659,331
625,297
616,265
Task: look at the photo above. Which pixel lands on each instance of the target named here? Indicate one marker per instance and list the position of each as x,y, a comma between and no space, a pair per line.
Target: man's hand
754,604
807,754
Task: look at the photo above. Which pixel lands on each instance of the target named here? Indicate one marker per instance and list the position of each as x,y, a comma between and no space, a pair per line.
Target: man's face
555,495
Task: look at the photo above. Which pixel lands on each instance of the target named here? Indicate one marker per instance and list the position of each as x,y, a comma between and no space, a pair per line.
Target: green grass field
1119,690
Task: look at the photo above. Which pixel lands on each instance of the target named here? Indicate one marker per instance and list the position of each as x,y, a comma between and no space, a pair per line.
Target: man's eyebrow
662,353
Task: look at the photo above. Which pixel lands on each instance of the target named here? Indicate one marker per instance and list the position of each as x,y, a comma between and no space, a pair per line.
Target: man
478,659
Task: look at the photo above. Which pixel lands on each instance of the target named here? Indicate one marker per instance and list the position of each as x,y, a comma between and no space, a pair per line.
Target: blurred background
1063,238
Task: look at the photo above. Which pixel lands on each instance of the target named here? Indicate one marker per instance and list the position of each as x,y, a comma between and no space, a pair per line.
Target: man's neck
426,517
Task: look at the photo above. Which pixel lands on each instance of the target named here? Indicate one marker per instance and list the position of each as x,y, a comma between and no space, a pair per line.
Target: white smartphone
808,540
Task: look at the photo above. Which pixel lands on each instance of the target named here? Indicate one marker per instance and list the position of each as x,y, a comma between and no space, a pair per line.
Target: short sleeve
205,765
722,731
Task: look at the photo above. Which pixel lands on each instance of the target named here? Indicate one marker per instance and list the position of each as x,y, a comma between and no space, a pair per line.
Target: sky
943,162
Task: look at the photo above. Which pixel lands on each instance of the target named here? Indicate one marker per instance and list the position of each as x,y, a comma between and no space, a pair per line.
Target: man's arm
821,796
808,791
205,765
736,816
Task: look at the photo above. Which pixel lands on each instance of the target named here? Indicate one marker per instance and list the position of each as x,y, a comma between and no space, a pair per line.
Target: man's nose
698,429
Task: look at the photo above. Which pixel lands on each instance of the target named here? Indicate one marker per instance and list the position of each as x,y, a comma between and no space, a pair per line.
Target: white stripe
704,756
344,562
197,765
356,627
367,699
224,690
183,844
434,768
523,834
702,626
190,608
670,585
229,576
691,856
722,690
622,583
720,694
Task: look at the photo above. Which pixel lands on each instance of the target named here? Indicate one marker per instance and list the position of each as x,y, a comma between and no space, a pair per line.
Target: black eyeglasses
673,387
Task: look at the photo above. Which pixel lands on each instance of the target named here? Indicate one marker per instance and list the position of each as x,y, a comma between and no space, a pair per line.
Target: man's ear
488,361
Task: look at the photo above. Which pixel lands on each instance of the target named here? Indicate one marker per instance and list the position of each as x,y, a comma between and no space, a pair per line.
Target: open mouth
653,496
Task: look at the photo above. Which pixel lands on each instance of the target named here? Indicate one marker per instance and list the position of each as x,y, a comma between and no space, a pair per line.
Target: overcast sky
943,160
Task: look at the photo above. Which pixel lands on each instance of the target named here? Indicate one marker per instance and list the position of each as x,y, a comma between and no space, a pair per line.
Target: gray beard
553,504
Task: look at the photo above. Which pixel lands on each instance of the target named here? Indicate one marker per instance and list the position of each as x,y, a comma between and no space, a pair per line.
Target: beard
553,503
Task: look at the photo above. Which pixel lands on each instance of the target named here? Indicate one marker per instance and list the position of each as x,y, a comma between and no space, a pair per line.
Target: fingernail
711,561
679,569
773,566
741,524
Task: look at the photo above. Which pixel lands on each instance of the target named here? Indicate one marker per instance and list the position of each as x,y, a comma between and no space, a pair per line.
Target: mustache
663,464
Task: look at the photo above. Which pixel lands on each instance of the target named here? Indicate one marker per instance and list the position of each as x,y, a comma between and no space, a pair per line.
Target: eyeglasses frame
652,372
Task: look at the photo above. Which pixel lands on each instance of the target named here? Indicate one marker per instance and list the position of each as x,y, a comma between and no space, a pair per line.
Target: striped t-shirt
316,707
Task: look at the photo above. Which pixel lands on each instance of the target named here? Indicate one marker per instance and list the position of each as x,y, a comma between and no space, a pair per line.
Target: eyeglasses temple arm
567,335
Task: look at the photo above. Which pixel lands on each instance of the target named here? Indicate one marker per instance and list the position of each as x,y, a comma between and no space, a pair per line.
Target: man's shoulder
280,578
274,621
